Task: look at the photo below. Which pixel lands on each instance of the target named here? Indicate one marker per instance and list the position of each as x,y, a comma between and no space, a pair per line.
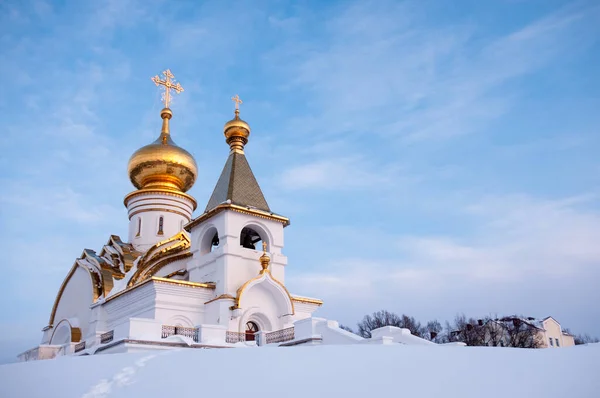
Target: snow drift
318,371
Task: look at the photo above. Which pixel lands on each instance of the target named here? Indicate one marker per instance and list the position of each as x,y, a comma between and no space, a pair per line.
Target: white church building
213,281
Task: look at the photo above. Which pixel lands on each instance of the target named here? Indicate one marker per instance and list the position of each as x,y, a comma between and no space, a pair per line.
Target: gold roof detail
162,164
115,259
238,209
156,279
168,85
307,300
264,273
161,254
236,130
264,259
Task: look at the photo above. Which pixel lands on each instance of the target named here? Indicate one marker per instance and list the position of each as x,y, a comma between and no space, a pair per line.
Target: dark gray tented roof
238,184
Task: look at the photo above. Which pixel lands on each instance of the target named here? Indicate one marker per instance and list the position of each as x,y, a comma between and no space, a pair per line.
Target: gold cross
168,85
237,101
264,247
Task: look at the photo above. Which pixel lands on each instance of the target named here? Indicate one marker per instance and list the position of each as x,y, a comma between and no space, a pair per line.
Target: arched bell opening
250,239
209,241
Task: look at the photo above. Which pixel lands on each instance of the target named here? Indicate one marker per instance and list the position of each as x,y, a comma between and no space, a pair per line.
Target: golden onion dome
162,164
236,132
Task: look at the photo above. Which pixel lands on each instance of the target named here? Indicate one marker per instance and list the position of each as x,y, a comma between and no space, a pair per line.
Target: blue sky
434,157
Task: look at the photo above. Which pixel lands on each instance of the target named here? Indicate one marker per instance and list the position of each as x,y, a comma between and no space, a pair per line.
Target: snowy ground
351,371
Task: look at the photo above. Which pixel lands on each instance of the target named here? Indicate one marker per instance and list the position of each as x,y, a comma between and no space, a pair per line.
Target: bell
248,242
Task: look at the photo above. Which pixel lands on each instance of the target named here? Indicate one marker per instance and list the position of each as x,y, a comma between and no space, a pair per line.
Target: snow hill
320,371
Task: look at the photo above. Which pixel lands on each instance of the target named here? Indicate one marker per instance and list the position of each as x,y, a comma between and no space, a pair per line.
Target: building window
551,342
139,229
557,343
160,225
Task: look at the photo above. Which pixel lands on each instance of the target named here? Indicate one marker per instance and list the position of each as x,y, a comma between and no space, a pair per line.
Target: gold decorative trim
127,251
179,272
239,209
114,296
157,267
142,199
221,297
96,288
183,283
180,236
307,300
107,270
162,280
75,332
264,260
158,209
266,274
160,204
160,191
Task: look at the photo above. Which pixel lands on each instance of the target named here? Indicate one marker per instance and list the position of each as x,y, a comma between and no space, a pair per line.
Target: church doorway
251,329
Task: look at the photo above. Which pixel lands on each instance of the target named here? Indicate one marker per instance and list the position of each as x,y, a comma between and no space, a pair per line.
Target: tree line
508,331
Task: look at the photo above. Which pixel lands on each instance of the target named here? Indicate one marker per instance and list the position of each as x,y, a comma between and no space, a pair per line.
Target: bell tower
228,237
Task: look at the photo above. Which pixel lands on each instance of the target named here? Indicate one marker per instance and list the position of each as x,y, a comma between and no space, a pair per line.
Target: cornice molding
159,191
238,209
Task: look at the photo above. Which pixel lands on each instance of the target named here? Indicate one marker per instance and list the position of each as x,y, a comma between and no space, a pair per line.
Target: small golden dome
265,260
236,132
162,164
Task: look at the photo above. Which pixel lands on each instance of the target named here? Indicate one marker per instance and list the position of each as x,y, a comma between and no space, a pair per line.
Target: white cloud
345,173
381,70
525,257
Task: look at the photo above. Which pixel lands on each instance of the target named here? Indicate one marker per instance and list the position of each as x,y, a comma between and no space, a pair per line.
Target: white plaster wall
168,304
171,267
176,212
264,307
76,300
138,303
180,305
231,265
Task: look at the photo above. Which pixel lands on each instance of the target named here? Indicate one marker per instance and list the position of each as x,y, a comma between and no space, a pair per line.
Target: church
216,280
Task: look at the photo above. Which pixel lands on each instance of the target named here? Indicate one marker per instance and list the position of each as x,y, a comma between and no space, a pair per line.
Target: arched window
251,329
250,239
161,222
139,229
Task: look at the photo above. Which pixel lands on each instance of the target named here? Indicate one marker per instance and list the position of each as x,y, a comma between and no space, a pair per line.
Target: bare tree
585,339
522,333
410,323
433,332
467,330
377,320
347,328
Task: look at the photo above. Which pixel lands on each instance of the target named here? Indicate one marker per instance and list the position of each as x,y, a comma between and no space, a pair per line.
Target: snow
317,371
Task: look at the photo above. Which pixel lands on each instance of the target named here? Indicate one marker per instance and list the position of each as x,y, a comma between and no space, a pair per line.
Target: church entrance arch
251,329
